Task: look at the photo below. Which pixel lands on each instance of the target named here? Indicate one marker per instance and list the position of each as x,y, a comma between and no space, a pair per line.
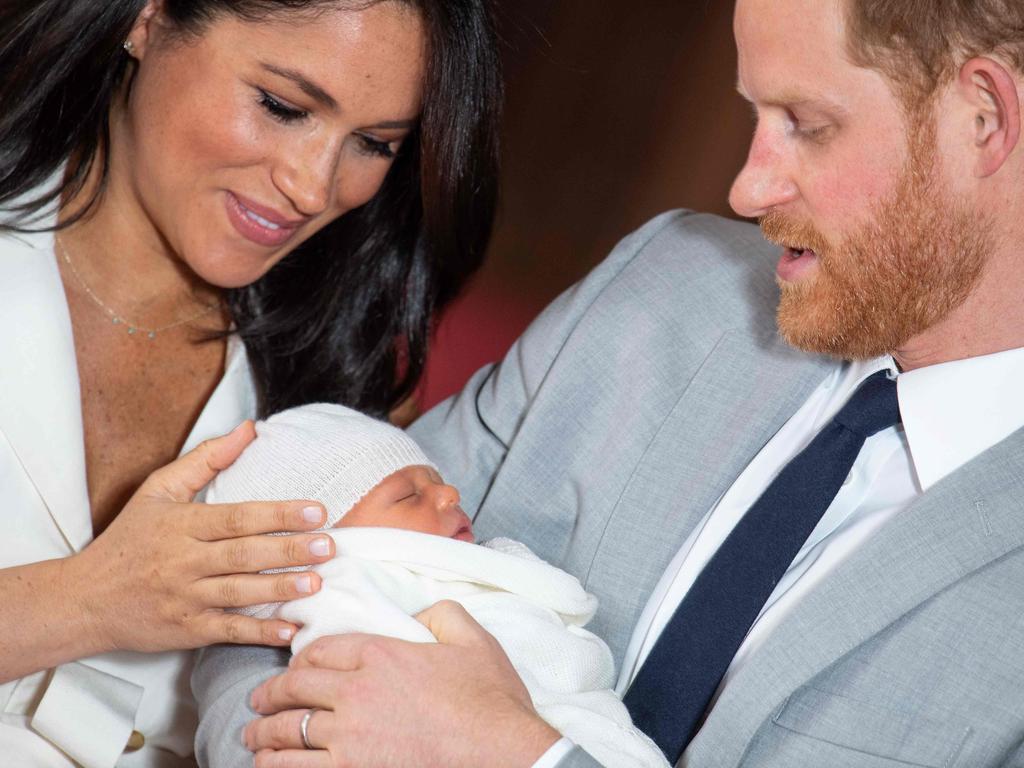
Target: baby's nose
446,495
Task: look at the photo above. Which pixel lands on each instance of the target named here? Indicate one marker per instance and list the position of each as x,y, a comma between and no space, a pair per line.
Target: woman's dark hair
346,317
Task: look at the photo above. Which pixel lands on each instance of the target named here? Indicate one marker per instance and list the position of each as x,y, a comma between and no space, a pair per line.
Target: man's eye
279,111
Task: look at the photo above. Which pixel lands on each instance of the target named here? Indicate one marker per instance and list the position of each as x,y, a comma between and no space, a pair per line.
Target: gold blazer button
135,742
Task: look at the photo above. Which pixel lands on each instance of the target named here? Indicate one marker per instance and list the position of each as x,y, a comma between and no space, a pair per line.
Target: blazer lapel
962,524
40,410
743,393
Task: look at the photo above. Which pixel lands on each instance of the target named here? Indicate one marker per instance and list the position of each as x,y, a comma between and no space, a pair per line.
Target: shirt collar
953,412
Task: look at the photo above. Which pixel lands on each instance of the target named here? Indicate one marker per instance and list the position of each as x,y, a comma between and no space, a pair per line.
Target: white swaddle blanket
381,577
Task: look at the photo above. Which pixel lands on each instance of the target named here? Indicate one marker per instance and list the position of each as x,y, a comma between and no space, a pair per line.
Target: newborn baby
404,543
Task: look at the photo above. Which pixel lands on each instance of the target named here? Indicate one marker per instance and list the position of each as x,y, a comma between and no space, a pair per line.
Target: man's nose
306,176
763,183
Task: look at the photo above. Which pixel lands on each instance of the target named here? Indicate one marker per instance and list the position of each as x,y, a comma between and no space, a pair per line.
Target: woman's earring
129,47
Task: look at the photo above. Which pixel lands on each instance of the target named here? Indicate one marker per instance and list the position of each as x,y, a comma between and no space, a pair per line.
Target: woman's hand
381,701
160,575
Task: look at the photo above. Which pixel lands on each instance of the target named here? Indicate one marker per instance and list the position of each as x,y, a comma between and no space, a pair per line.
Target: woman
211,211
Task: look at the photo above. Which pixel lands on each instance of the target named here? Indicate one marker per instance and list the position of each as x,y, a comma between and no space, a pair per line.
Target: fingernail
285,634
304,584
313,514
320,547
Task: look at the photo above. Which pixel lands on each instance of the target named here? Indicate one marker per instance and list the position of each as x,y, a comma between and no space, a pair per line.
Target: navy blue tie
674,687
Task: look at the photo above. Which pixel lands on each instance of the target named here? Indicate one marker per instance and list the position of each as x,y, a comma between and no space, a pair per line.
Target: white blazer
81,713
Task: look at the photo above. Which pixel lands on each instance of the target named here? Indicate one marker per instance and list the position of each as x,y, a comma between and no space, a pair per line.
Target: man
652,418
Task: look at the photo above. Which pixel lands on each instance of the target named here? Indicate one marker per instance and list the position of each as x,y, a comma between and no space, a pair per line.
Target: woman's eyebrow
307,86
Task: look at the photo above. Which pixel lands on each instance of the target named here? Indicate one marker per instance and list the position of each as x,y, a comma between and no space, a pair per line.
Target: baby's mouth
465,530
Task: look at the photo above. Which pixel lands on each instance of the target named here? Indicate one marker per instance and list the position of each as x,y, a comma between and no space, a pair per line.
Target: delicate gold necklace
118,319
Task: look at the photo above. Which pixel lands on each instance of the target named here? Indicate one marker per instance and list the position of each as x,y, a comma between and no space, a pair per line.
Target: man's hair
920,44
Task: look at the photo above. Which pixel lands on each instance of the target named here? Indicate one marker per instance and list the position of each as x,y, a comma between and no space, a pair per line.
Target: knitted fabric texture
321,452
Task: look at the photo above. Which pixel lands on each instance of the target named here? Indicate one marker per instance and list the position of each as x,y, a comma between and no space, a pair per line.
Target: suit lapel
40,410
962,524
743,393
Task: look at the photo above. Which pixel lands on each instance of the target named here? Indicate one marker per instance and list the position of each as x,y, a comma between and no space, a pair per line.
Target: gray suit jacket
615,423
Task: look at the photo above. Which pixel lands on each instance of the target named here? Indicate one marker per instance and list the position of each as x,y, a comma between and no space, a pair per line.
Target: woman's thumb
183,478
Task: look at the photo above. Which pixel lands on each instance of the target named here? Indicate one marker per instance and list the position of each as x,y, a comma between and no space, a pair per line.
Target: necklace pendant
116,320
131,331
151,334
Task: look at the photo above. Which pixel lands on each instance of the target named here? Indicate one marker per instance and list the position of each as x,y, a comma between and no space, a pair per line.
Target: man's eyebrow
307,86
795,99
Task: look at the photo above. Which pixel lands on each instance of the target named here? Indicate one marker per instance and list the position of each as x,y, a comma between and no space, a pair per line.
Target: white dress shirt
950,412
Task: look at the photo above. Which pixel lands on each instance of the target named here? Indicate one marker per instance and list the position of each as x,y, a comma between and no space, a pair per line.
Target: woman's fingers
215,522
183,478
284,730
240,590
260,553
219,627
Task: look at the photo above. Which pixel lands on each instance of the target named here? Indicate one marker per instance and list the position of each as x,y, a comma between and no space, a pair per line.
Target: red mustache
782,230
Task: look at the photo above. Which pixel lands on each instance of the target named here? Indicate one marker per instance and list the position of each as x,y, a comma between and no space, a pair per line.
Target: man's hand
385,702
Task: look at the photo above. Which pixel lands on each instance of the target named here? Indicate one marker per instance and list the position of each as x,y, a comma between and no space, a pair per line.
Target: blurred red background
614,113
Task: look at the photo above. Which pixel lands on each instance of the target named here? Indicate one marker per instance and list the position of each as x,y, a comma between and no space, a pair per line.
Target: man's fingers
183,478
284,730
215,522
344,653
451,624
261,553
240,590
219,627
298,689
293,758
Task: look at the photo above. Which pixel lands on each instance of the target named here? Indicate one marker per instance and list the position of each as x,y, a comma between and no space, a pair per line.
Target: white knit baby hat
321,452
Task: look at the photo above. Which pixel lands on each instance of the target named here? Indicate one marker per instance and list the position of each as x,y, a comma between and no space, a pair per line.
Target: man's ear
145,28
990,89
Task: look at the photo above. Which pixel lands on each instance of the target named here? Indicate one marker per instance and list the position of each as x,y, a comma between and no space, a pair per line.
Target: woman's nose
763,183
306,176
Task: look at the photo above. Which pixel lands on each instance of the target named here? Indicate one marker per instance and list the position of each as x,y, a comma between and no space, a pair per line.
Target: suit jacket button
135,742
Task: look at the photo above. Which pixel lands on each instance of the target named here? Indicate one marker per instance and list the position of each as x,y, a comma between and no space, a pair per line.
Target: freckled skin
195,128
160,242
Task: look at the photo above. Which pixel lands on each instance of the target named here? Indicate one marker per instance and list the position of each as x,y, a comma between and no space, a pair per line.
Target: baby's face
413,499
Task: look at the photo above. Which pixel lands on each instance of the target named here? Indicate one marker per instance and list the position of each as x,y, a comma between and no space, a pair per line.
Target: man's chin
813,321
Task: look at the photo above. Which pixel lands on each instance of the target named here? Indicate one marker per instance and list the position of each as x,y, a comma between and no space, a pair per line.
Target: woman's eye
375,147
279,111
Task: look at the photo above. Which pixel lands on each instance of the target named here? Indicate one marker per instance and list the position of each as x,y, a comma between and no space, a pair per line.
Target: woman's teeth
261,221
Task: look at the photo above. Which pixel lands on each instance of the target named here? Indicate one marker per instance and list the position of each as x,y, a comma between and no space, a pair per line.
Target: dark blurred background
615,112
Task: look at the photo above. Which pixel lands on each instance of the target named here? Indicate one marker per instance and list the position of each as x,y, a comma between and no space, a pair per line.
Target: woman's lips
256,225
795,264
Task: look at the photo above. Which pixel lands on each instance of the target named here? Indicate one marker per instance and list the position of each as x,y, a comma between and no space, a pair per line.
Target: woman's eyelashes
279,111
375,147
283,113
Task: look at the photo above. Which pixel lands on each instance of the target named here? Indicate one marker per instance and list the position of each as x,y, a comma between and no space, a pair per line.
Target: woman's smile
258,224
